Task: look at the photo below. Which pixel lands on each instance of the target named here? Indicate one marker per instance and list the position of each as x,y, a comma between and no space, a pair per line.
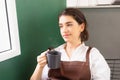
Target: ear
82,27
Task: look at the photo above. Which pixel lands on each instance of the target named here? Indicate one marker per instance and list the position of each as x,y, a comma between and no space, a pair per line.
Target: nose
64,29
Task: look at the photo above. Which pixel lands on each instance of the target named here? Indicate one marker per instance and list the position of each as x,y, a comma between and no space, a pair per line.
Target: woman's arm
37,73
39,68
100,70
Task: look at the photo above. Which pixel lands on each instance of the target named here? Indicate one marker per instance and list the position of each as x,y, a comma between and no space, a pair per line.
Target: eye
69,24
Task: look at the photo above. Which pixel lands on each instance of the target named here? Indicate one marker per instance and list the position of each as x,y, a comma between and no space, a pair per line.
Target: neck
73,45
70,47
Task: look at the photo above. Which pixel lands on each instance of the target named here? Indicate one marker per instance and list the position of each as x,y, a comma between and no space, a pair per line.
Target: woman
79,62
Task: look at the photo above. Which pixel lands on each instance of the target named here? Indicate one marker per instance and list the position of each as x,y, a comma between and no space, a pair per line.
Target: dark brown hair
80,18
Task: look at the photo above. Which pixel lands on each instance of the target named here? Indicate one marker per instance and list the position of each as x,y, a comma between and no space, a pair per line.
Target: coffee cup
53,59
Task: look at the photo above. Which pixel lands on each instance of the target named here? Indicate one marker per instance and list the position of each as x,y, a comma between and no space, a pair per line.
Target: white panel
9,37
4,26
92,3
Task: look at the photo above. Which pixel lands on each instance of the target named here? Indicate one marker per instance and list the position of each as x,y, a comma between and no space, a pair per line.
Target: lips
66,35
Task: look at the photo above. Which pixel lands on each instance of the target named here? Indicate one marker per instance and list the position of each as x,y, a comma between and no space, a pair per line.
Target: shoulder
95,52
96,56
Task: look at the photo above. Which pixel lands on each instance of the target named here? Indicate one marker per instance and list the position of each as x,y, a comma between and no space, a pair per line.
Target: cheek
77,32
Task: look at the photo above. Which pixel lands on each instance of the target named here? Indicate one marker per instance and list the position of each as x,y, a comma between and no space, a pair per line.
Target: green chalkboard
38,29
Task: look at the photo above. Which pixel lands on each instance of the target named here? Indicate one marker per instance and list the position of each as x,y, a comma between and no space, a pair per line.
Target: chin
66,40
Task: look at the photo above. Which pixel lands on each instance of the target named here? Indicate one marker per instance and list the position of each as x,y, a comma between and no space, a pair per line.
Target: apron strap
87,54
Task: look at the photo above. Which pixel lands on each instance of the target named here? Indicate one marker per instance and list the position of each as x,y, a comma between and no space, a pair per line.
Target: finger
41,59
42,62
44,53
41,56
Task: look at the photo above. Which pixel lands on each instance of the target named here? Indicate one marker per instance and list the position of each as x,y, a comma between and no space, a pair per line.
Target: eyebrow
65,23
68,22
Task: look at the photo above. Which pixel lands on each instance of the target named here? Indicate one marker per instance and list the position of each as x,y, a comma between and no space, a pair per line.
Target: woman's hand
41,59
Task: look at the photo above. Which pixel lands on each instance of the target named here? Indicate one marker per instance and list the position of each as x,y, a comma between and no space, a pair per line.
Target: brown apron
72,70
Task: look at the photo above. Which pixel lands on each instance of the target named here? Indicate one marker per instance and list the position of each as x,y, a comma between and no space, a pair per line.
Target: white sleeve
45,73
98,65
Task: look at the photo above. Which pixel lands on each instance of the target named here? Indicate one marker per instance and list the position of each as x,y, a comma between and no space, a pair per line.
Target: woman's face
70,29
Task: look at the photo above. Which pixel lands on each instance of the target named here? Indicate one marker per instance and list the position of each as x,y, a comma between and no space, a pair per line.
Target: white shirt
98,66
